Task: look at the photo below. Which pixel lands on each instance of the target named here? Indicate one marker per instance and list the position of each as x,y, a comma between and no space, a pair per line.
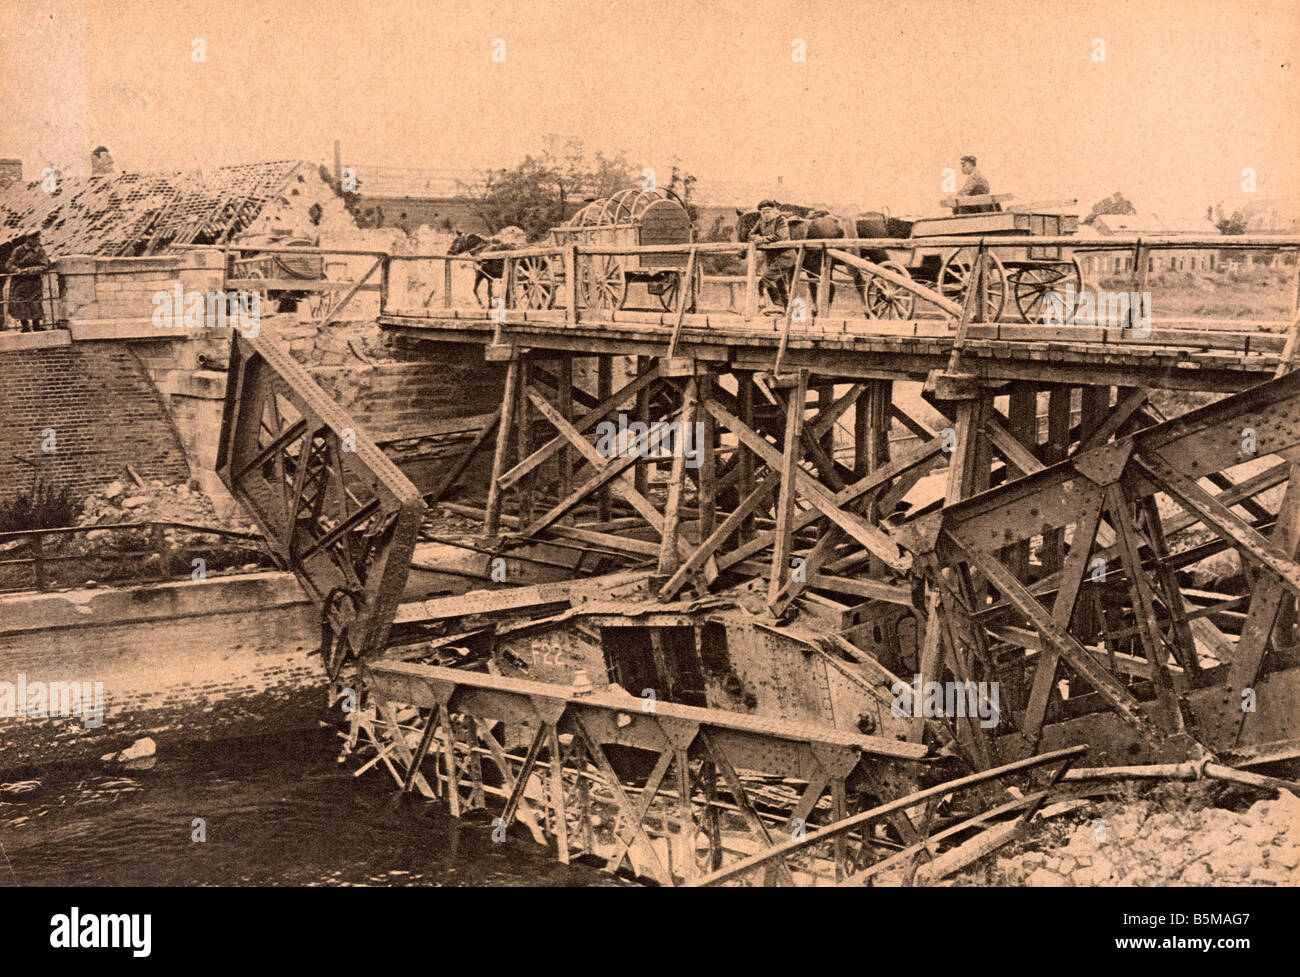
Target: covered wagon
631,219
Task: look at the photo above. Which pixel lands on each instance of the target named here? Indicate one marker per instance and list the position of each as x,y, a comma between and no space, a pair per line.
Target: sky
1168,101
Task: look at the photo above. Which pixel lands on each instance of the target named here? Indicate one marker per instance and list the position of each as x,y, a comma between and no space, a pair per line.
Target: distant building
1114,263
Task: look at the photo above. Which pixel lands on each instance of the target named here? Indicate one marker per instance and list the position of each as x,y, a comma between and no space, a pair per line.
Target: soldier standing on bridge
28,265
772,226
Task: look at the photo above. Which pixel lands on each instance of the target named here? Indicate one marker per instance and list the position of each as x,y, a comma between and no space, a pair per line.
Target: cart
1025,274
629,219
290,277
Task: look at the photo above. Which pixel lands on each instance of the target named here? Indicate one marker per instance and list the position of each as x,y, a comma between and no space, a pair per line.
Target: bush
44,507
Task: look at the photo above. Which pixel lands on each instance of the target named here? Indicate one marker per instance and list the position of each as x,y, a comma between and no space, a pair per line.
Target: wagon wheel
603,282
885,300
320,305
338,630
956,272
532,285
668,297
257,273
1032,285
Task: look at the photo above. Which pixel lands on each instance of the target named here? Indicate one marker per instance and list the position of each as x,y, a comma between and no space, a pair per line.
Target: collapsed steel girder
771,511
470,716
333,508
1107,497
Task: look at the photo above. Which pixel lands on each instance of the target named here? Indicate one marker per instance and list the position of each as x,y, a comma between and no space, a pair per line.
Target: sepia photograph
578,444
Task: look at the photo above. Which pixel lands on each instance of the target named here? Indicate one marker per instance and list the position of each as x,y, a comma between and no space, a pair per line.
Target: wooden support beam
1129,404
604,382
697,559
509,401
898,468
622,484
643,384
789,468
644,365
745,459
602,477
524,428
564,392
669,552
818,495
1056,449
708,458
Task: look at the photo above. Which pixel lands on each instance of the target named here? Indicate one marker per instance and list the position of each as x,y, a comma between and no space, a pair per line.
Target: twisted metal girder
335,510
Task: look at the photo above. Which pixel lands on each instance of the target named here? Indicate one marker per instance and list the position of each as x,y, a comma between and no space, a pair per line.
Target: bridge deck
1186,354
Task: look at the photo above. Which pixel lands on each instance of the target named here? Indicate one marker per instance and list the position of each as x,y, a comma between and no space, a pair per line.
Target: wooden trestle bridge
1007,505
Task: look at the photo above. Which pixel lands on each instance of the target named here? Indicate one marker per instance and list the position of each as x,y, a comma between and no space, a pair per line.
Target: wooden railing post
1141,274
751,280
38,559
571,280
159,535
446,283
824,286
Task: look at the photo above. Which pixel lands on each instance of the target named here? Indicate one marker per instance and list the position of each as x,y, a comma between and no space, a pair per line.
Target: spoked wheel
668,297
320,305
1032,285
533,284
338,630
956,273
885,300
602,282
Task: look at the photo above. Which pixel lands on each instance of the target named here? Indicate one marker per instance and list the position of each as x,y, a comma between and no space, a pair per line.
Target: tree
1236,224
1116,203
547,188
683,184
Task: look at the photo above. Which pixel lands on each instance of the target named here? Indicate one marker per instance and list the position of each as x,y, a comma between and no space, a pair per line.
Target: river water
277,811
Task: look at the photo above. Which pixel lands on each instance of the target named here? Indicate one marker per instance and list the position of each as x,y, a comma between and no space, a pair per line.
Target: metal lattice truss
1165,669
552,756
333,507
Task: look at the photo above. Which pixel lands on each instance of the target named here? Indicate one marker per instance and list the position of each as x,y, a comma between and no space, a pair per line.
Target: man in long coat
777,265
28,264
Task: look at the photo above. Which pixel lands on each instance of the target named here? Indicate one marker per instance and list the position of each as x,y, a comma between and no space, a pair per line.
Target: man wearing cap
28,265
975,186
772,226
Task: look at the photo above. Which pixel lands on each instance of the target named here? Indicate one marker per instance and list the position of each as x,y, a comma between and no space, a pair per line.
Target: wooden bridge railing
563,262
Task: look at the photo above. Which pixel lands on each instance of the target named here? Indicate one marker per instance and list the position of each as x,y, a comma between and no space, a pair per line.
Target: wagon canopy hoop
623,208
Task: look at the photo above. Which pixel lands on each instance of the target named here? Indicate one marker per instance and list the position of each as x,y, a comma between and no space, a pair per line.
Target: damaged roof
145,213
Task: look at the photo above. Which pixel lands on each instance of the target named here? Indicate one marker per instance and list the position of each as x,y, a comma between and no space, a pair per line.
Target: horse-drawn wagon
628,220
1025,273
632,219
288,278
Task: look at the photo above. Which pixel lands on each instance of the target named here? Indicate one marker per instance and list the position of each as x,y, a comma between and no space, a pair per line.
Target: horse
810,224
487,270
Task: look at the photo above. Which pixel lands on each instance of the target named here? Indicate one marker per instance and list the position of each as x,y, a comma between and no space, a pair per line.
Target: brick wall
392,400
102,408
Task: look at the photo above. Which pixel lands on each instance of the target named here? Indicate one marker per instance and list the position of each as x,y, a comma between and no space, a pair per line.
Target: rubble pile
155,501
346,343
1141,845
